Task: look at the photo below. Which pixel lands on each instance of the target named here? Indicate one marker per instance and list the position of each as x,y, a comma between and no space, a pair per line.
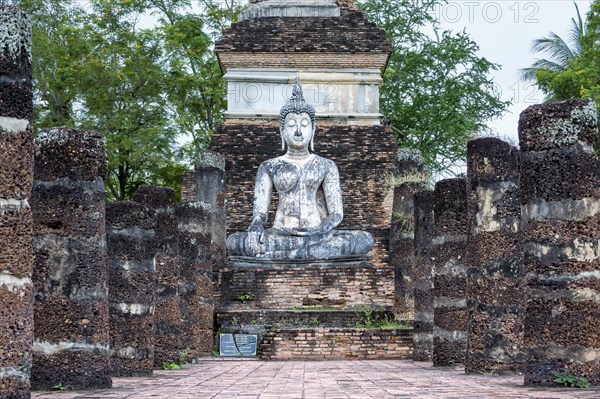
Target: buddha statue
310,199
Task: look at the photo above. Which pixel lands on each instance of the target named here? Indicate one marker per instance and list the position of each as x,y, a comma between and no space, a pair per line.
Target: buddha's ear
312,139
282,140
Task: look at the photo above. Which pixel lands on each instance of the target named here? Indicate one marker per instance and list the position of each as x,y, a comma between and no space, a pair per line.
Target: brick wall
336,344
341,285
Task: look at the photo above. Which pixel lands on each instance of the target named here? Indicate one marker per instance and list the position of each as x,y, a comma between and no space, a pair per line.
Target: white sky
504,31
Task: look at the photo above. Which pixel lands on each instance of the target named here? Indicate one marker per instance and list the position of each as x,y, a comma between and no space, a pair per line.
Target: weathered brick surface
560,186
449,273
132,247
169,341
341,285
423,274
495,290
70,273
336,344
402,251
16,167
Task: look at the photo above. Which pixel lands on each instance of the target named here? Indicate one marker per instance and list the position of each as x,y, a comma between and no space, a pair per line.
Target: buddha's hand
255,237
309,231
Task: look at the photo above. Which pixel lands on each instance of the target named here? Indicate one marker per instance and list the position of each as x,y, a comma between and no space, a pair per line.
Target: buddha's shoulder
324,162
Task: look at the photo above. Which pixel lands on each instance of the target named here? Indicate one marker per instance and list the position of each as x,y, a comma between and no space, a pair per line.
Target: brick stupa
340,57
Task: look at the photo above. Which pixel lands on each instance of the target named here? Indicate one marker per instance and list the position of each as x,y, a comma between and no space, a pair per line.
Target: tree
436,93
578,75
550,74
142,88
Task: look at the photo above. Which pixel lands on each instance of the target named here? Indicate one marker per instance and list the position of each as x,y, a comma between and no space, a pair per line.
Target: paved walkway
249,379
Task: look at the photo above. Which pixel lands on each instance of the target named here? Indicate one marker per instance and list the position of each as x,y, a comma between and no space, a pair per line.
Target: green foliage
436,93
156,94
183,356
58,387
246,296
573,67
569,380
371,322
170,366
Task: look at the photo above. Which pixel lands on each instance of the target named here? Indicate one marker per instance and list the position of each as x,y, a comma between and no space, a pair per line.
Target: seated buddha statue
310,199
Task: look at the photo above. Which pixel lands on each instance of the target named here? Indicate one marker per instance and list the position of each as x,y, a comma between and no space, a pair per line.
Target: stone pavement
249,379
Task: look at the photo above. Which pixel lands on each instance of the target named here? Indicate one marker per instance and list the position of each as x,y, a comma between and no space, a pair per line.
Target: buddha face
297,131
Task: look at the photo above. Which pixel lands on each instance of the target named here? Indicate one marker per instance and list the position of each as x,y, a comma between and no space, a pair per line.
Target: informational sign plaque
238,345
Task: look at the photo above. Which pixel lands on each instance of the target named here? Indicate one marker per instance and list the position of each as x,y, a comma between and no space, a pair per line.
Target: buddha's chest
289,177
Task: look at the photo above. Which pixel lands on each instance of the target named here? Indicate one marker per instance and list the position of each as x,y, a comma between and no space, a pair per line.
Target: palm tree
559,52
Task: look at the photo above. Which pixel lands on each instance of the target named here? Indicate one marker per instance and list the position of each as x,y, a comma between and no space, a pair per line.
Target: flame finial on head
297,105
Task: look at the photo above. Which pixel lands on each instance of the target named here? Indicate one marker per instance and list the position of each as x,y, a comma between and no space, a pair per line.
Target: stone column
169,340
423,274
201,227
409,179
495,291
70,273
132,282
16,174
560,209
449,272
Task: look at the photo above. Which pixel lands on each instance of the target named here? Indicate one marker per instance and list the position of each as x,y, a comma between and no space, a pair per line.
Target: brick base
337,344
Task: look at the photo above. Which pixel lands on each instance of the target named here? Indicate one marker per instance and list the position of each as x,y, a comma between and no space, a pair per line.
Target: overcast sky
504,30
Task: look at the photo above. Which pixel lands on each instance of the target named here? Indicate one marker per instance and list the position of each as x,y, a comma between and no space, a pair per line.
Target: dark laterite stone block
15,98
132,330
69,268
131,368
483,288
490,160
448,353
555,262
122,247
450,250
15,388
547,126
546,319
131,286
450,286
67,210
67,320
451,319
450,209
424,300
16,164
74,369
16,251
155,197
562,232
489,247
559,174
167,273
130,214
82,148
16,325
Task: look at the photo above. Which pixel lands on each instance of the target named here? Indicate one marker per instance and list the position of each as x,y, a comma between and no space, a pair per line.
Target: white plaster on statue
138,309
14,283
485,218
310,198
13,205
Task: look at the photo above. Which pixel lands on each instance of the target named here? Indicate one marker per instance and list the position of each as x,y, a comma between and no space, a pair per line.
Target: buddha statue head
297,120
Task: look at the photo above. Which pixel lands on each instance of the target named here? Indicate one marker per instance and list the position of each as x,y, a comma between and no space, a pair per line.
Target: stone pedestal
338,283
495,289
71,274
560,207
131,243
16,174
